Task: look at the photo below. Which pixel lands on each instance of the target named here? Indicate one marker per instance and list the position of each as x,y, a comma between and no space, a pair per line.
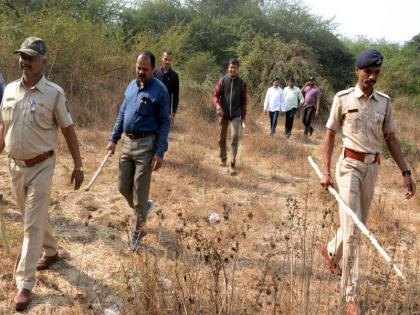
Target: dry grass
261,258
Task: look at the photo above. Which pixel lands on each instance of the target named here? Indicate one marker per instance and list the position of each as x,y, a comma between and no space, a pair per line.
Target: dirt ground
275,202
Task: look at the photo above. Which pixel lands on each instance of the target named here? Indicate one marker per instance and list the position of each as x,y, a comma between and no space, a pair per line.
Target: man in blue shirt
144,118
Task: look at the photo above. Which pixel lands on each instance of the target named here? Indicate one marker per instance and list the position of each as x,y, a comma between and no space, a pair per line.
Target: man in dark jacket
230,100
171,80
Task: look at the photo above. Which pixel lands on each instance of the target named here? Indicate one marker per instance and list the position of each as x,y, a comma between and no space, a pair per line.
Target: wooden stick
98,171
357,221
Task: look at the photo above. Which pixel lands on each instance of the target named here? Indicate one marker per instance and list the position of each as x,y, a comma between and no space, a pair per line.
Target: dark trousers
307,115
135,175
290,117
274,116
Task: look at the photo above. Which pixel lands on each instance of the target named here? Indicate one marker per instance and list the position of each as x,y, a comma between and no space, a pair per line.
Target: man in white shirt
273,102
292,98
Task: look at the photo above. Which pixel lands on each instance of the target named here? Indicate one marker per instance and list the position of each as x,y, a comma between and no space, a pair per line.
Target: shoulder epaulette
383,94
55,86
344,92
15,81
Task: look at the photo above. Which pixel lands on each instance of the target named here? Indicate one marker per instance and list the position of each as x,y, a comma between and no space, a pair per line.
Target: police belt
36,160
362,157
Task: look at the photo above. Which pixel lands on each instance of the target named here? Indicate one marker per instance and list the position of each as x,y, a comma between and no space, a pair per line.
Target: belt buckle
370,158
20,163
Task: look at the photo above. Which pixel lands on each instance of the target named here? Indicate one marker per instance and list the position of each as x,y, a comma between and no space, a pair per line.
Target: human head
311,80
167,59
291,82
144,66
32,56
368,68
233,67
276,82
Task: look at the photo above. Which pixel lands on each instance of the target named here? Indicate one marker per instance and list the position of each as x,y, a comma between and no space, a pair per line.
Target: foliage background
93,44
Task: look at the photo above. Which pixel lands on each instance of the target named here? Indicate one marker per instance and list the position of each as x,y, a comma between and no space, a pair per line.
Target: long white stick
356,220
98,171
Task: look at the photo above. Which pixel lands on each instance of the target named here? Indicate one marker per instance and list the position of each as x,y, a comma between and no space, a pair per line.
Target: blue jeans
274,116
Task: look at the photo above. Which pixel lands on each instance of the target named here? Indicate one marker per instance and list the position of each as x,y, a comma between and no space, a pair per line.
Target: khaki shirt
31,118
364,120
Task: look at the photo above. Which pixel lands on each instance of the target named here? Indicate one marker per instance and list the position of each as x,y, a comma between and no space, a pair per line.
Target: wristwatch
406,173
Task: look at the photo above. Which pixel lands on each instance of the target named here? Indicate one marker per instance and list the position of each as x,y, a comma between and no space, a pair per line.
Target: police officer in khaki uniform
365,116
31,111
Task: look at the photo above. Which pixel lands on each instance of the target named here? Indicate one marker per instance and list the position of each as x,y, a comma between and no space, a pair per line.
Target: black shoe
232,169
311,130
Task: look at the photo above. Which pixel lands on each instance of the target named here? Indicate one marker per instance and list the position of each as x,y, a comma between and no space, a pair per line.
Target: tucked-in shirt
144,109
292,98
364,120
274,99
311,93
171,81
31,118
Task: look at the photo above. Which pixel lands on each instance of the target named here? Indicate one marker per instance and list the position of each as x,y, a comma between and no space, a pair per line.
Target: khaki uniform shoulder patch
383,94
344,92
58,88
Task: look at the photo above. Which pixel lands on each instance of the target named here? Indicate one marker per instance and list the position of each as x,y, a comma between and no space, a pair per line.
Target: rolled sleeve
62,113
389,124
334,120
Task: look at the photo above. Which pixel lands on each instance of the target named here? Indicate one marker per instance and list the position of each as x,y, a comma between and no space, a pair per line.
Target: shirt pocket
378,121
44,116
353,122
146,106
8,112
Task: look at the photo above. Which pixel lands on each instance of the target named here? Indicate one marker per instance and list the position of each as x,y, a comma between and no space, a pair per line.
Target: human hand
77,178
157,162
111,147
219,111
410,187
326,181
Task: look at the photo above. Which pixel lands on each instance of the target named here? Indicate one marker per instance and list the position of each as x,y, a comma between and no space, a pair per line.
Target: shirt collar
359,93
40,86
146,84
163,70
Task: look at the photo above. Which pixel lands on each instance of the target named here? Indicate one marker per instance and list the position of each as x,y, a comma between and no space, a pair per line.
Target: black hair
292,79
168,52
149,55
234,61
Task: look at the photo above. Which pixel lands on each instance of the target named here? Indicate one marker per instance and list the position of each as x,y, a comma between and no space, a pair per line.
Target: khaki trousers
135,173
31,187
235,125
356,182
